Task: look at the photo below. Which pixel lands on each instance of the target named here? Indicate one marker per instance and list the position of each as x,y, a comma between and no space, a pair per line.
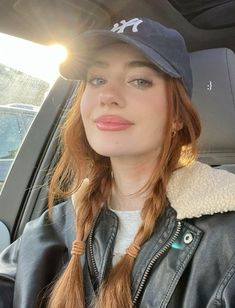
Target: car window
27,118
27,73
10,140
10,135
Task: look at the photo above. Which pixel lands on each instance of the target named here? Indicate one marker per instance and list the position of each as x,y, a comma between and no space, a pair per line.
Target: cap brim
82,52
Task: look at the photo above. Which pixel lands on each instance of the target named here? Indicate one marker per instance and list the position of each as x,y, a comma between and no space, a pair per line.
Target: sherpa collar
195,190
199,189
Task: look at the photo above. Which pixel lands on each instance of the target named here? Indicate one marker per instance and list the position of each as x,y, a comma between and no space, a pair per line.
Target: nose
111,96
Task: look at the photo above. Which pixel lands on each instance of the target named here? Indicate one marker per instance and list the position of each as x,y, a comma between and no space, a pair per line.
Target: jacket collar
199,189
196,190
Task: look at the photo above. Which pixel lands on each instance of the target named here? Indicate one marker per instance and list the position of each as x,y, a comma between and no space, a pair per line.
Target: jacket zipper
154,260
92,258
91,251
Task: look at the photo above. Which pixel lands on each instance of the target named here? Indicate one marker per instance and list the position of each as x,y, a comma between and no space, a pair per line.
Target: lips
112,123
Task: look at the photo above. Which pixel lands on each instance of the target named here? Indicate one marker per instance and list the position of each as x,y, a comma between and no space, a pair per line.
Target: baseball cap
162,46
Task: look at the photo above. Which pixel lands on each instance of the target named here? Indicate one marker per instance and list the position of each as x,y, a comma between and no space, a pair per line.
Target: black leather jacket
186,263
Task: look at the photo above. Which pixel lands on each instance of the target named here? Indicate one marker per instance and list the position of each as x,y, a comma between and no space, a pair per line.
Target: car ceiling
204,24
207,14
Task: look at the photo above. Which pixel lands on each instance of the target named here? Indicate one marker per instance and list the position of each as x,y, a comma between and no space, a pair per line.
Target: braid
72,278
86,211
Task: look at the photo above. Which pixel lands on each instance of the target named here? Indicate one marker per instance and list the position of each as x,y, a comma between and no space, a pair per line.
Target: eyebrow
99,64
138,63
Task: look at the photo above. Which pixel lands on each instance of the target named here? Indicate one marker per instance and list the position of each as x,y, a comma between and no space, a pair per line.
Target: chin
111,147
108,152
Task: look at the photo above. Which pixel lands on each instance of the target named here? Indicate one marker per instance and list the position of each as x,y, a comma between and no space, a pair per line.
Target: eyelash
147,83
92,80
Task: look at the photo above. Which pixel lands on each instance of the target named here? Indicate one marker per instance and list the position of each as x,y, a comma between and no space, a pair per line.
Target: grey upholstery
214,97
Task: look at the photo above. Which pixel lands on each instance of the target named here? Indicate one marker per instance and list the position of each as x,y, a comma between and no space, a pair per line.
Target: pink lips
112,123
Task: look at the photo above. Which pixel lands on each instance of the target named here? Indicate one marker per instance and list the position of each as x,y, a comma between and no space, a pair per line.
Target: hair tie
78,248
133,250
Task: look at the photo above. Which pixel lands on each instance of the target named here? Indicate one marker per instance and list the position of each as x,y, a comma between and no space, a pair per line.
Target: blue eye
142,82
97,81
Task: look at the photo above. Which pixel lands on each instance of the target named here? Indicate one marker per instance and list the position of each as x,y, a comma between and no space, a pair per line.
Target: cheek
85,107
162,111
160,106
156,110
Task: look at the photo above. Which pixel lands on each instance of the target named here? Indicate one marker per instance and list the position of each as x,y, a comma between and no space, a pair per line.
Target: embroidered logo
134,23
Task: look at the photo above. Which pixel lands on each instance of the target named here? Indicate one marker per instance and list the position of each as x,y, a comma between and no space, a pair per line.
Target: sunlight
34,59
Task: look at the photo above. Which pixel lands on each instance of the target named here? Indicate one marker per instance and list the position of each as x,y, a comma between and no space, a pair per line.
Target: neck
129,179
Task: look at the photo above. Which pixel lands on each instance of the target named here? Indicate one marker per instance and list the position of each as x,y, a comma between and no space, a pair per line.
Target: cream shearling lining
199,189
194,191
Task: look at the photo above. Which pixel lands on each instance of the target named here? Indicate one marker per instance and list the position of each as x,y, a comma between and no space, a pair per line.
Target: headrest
214,97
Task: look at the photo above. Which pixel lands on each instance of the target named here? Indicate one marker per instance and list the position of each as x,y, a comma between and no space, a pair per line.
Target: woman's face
124,104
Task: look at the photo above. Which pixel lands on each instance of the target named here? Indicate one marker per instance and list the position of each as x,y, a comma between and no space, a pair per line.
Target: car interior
208,28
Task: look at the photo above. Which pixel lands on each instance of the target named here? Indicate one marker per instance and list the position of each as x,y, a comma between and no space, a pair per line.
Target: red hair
79,161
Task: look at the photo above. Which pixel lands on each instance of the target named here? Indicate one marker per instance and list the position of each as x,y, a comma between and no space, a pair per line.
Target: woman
150,224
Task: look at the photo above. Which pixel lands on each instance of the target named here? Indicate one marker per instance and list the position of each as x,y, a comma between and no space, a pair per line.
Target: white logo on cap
124,24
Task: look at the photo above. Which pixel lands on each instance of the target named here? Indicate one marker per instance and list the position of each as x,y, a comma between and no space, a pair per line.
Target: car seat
214,97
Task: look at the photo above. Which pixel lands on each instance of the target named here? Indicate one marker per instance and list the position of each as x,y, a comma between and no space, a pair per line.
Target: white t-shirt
129,223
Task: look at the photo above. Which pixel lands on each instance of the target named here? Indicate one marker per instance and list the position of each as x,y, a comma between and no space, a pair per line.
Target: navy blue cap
162,46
